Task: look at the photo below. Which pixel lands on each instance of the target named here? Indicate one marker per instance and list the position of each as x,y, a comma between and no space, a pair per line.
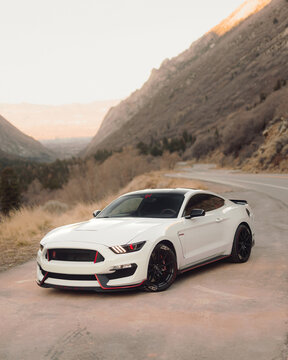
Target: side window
206,202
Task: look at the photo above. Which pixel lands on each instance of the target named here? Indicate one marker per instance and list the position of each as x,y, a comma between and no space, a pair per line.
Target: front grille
74,255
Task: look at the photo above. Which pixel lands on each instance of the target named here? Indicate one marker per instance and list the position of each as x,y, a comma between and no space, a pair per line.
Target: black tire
242,245
162,269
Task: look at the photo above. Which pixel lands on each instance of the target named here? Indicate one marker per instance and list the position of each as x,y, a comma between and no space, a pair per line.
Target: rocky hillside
224,94
16,145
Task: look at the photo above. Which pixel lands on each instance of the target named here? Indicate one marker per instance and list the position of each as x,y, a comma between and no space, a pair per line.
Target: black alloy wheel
242,245
162,269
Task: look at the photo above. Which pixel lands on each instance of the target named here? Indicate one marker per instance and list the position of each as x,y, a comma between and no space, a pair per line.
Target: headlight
41,247
123,249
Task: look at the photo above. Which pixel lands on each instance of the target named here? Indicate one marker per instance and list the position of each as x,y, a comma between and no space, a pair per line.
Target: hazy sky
64,51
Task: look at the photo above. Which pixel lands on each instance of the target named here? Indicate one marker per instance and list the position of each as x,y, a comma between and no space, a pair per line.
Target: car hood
108,231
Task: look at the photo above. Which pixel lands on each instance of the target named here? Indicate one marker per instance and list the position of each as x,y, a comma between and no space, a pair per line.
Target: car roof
180,191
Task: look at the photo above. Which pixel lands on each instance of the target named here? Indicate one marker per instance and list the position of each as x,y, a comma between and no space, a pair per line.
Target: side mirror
195,213
96,212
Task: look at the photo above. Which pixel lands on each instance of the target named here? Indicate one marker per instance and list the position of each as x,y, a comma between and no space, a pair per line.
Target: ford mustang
144,239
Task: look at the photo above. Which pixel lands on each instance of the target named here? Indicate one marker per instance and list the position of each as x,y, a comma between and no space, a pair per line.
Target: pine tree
10,195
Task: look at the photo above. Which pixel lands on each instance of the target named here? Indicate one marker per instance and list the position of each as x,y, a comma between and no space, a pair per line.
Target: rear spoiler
239,202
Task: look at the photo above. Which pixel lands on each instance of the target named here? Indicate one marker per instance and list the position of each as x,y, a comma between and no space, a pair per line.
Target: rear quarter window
206,202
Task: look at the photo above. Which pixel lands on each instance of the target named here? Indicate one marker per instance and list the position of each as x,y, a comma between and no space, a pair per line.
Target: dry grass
21,232
90,181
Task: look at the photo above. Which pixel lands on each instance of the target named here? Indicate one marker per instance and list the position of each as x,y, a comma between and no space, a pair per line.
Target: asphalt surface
274,185
221,311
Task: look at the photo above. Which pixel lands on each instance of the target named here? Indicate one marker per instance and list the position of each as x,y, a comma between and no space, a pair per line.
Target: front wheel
242,245
162,269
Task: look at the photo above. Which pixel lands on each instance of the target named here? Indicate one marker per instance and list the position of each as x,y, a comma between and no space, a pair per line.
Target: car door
202,237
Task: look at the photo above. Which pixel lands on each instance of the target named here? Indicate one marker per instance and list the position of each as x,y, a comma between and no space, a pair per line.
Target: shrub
204,145
244,128
285,150
177,144
102,155
53,176
262,97
157,147
10,195
92,181
281,143
279,84
55,207
156,151
143,148
186,136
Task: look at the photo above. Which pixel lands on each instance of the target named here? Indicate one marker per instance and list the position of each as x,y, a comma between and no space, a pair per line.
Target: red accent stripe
117,287
96,257
209,262
44,278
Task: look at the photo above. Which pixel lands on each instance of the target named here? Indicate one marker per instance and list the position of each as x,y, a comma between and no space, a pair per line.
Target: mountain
228,92
57,121
16,145
66,148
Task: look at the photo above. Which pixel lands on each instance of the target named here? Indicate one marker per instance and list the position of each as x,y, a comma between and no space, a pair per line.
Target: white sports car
144,239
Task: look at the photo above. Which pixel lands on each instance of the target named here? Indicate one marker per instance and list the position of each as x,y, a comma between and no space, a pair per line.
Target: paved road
223,311
274,185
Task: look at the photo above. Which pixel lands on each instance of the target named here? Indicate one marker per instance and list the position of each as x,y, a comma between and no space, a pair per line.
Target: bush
55,207
143,148
279,84
281,143
204,146
157,147
10,195
241,131
53,176
102,155
92,181
156,151
285,150
177,144
262,97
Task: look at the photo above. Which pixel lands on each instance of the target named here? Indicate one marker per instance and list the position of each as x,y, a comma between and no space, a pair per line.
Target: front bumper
92,276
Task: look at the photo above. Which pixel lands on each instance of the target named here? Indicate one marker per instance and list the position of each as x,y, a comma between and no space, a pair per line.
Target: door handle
218,220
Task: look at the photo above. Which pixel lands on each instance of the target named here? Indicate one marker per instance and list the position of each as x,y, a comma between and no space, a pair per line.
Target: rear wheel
242,245
162,269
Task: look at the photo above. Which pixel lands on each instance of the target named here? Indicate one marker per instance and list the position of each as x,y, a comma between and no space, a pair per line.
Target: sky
79,51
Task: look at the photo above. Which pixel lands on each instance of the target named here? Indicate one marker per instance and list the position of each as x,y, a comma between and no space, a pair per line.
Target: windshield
153,205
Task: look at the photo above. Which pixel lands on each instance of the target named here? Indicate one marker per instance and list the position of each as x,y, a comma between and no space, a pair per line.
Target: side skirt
202,263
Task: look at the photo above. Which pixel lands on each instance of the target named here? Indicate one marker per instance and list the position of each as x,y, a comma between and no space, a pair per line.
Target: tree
143,148
10,195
